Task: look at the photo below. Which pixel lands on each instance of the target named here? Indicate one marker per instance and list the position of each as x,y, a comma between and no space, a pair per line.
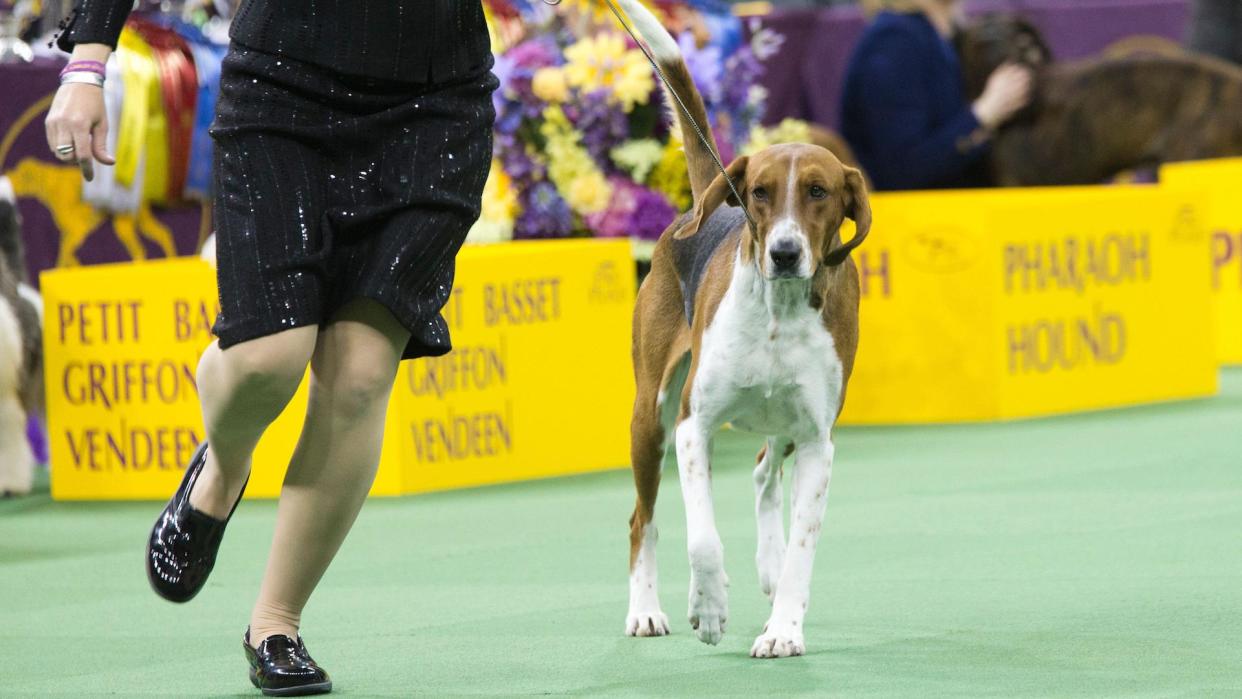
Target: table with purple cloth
805,79
58,228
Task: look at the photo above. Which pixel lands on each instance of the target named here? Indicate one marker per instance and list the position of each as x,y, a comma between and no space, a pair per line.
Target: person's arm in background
910,152
77,115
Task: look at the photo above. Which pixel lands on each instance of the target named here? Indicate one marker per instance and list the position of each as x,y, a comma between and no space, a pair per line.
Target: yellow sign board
1221,182
121,344
976,305
539,383
982,305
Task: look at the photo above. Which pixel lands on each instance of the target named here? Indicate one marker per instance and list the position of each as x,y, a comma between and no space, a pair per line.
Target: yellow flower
484,231
788,131
499,208
570,166
589,193
499,198
670,178
604,62
595,10
638,157
633,84
549,85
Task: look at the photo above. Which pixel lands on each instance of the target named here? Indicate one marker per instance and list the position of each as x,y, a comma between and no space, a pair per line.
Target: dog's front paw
646,623
778,642
709,606
709,626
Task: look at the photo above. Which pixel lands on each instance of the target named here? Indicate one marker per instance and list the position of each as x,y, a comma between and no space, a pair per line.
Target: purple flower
520,165
705,66
744,70
545,214
534,54
508,119
727,151
633,210
614,220
516,162
603,125
515,100
503,70
725,72
735,109
652,214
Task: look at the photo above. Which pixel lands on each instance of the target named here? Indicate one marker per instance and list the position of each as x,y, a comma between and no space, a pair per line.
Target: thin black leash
685,111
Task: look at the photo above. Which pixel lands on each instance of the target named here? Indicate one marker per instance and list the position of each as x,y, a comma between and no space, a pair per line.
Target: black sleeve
95,22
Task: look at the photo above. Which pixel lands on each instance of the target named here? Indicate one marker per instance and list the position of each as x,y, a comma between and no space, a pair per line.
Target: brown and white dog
757,328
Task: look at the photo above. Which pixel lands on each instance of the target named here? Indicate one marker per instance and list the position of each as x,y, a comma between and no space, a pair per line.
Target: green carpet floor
1097,555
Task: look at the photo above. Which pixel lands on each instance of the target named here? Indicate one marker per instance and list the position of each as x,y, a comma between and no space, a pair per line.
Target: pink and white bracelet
84,66
88,72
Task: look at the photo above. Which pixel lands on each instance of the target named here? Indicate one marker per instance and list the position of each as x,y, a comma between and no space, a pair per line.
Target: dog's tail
699,160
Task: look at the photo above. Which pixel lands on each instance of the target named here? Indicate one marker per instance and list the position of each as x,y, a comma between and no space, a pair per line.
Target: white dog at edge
20,353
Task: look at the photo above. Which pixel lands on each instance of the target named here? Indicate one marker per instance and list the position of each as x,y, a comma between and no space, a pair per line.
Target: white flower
764,42
756,95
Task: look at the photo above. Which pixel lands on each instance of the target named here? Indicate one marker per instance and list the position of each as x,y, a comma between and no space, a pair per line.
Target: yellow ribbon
144,126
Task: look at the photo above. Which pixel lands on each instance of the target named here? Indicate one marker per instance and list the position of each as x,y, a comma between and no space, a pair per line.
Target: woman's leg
334,464
242,390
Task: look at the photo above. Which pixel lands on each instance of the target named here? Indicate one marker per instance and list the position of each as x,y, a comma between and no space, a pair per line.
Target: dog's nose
785,254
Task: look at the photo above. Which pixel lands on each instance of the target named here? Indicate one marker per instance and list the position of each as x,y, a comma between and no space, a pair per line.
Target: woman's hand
78,118
1008,90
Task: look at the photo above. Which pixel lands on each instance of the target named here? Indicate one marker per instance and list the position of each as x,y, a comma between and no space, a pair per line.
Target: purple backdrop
42,184
806,78
804,81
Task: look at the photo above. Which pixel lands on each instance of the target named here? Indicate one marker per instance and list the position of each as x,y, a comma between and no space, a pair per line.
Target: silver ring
65,149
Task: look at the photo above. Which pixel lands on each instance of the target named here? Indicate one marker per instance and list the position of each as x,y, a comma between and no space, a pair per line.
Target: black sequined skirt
330,188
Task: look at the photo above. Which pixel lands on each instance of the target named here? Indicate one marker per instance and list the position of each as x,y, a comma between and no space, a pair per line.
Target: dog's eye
759,194
818,192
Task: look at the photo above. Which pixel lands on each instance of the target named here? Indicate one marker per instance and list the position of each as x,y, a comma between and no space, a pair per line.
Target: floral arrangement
582,144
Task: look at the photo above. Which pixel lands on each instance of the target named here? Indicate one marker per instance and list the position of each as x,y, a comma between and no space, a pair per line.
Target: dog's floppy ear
857,207
716,194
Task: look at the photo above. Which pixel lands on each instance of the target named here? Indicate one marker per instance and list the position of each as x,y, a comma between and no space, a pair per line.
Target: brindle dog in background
1093,119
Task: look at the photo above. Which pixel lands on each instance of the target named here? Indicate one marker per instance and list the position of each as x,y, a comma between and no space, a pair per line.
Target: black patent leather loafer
183,544
281,667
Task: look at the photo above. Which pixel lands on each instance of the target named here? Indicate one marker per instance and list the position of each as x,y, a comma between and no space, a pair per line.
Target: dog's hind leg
655,410
783,635
770,555
645,617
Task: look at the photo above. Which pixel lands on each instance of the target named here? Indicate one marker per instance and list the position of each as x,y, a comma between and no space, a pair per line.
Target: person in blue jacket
904,109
